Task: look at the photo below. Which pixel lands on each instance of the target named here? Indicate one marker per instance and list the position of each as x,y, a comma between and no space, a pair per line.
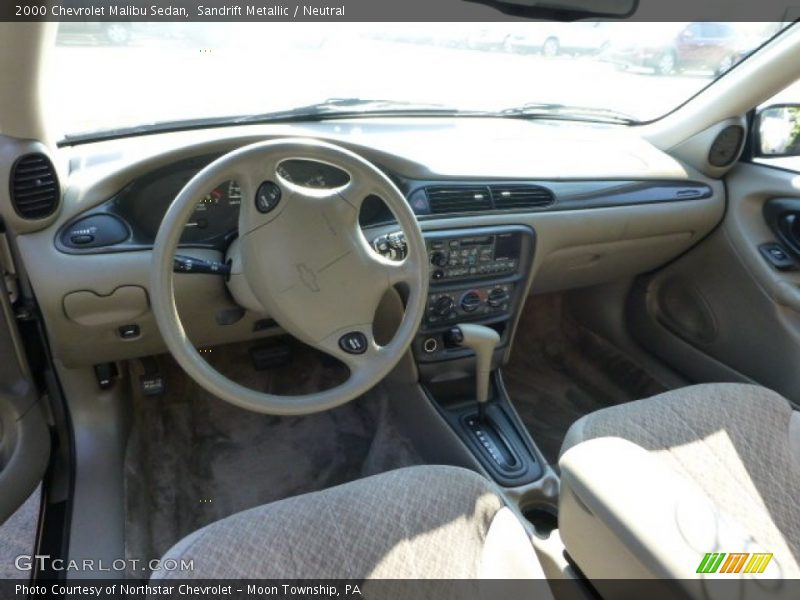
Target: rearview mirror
574,9
778,130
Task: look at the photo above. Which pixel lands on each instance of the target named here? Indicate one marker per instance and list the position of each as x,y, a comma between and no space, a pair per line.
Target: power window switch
777,256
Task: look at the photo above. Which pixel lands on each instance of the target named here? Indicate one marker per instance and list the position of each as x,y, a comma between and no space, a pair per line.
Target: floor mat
560,371
18,536
193,459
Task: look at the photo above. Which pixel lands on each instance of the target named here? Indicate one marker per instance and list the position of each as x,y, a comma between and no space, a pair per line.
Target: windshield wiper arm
554,110
333,108
342,108
339,107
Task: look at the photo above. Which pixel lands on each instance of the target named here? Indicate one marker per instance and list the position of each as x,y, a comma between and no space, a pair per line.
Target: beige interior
692,316
690,293
666,480
657,526
573,249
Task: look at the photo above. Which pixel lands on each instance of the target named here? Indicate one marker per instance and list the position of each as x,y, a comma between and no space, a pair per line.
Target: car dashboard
129,219
507,207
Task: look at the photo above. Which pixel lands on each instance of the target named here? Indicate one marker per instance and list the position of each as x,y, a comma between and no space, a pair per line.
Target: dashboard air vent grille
520,196
458,198
34,186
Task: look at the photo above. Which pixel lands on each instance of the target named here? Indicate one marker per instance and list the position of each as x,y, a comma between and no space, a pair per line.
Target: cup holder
543,517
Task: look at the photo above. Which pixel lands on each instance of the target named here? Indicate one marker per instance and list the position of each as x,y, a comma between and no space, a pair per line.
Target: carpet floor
18,536
193,459
560,371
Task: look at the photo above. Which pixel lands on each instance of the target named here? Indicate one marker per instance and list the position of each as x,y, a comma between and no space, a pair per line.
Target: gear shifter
482,340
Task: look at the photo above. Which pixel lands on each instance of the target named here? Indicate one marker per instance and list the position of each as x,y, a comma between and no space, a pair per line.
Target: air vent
458,199
34,187
507,197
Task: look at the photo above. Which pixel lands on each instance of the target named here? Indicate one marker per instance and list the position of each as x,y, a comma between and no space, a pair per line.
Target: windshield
113,76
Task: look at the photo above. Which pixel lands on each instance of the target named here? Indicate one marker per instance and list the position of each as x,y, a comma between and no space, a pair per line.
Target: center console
477,275
478,280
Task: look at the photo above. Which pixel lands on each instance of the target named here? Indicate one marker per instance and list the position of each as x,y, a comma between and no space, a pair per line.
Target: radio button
439,259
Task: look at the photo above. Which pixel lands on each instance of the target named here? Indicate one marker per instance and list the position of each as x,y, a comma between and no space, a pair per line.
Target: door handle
789,226
783,217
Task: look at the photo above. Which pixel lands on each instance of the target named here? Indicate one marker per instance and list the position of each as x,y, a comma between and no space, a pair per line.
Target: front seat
711,468
423,522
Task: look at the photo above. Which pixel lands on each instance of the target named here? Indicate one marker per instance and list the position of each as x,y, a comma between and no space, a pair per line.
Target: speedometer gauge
312,174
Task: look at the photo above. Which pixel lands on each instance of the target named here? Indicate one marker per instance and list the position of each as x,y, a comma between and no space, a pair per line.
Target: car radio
457,257
474,256
477,275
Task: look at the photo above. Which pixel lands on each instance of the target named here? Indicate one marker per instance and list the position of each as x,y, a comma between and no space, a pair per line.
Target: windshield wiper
349,107
344,108
333,108
533,110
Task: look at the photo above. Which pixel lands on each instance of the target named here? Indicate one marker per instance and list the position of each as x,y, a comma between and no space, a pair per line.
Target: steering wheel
301,258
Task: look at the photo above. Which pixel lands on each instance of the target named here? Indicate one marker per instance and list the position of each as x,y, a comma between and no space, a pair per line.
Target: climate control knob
443,306
470,301
439,259
497,297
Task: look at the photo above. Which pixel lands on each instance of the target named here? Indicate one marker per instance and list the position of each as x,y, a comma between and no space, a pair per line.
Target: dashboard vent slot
458,198
34,187
507,197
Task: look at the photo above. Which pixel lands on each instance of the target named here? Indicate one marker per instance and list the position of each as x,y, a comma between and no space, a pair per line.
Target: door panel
722,311
24,433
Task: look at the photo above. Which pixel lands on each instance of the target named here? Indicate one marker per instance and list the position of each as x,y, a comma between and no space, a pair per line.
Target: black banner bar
394,10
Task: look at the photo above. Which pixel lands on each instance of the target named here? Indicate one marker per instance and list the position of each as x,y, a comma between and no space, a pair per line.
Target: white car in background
552,39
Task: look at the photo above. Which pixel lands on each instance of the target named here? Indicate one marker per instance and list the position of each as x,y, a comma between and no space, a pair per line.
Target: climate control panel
476,275
445,307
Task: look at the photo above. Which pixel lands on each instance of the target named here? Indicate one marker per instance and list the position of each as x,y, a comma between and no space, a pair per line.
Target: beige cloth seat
425,522
739,443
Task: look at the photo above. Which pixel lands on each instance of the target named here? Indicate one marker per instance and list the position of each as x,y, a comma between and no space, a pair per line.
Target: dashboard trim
569,195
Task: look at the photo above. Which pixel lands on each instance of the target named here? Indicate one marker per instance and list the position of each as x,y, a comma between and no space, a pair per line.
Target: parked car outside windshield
178,72
669,48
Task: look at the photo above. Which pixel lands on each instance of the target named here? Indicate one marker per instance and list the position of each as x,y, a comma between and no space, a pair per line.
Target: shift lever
482,340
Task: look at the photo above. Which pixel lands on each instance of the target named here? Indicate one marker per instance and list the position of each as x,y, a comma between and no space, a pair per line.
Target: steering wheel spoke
395,272
357,190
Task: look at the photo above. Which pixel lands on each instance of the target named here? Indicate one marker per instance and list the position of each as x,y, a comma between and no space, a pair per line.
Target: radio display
477,241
